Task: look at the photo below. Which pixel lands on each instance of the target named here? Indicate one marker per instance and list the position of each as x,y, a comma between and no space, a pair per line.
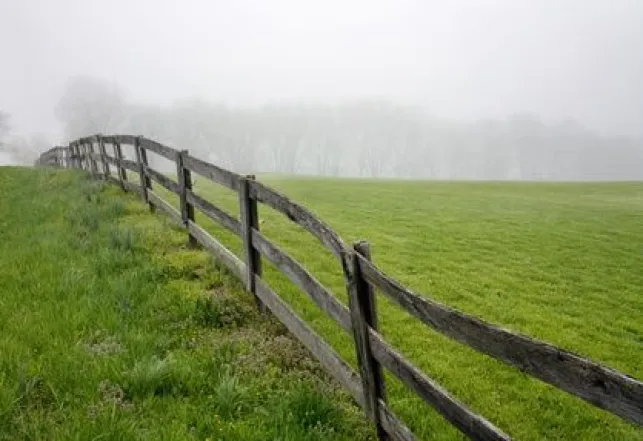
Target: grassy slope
110,329
560,262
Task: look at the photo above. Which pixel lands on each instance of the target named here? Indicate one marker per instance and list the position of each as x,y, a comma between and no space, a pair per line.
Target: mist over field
413,89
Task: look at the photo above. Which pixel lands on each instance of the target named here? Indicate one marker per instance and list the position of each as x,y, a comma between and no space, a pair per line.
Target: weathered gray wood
181,187
469,423
187,181
393,426
364,316
103,154
249,220
303,217
111,161
159,148
146,178
605,388
129,165
118,155
120,139
214,213
165,181
232,262
298,275
185,184
163,205
141,170
212,172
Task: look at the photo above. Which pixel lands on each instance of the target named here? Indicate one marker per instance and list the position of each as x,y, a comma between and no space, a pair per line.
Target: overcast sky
463,59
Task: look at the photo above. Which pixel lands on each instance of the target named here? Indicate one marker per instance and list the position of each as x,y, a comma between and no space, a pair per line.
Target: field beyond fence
601,386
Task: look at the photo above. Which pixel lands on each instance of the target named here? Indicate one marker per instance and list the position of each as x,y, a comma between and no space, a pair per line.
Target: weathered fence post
83,149
93,165
148,180
141,160
250,219
73,155
185,183
122,174
103,157
363,311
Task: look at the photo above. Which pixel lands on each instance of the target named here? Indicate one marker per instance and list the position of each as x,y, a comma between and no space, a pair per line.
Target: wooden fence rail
601,386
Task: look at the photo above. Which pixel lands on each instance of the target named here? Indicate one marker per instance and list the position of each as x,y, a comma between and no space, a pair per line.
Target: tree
4,126
89,106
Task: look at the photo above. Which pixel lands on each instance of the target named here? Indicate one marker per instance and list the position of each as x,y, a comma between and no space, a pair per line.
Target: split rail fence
601,386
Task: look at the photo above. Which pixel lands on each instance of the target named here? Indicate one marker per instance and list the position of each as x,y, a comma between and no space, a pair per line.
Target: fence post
250,219
141,169
83,156
363,311
73,155
148,180
88,159
184,178
122,174
93,165
103,157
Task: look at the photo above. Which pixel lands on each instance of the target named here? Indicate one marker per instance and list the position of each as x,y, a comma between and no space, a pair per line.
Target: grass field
111,329
559,262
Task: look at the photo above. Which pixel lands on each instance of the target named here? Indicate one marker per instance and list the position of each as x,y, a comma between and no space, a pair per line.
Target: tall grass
111,329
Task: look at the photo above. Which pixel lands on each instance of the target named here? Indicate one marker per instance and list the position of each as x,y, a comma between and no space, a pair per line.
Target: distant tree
4,126
90,105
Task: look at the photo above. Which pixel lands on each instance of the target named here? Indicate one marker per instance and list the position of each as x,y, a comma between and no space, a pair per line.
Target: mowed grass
558,262
112,329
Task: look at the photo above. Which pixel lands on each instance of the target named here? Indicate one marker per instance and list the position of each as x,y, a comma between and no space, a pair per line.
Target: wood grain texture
214,213
605,388
232,262
298,275
249,220
158,148
160,178
304,218
212,172
469,423
163,205
364,317
141,169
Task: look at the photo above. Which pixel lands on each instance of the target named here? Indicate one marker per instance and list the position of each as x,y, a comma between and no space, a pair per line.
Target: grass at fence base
558,262
111,329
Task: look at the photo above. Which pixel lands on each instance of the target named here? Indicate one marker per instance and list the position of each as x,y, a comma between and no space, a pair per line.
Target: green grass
111,329
559,262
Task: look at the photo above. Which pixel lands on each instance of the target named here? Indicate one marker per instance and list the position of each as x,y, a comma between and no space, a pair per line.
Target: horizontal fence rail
601,386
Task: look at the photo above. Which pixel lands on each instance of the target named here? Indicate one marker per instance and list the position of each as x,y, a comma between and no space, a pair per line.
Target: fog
493,89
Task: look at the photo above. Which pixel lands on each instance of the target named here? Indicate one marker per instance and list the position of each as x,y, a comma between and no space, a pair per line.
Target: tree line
369,138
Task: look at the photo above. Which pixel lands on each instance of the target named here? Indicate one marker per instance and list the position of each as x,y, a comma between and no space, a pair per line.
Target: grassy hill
559,262
113,328
110,329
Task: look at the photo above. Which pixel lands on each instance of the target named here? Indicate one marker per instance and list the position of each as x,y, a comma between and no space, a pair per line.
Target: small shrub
35,393
115,209
156,376
121,239
229,395
309,409
222,311
85,217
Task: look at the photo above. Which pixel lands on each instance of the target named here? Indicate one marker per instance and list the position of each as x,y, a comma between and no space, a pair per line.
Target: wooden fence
603,387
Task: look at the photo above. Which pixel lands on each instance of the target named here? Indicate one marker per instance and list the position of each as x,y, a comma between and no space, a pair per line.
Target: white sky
459,58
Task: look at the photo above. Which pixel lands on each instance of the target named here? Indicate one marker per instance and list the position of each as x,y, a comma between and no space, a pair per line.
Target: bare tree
90,106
